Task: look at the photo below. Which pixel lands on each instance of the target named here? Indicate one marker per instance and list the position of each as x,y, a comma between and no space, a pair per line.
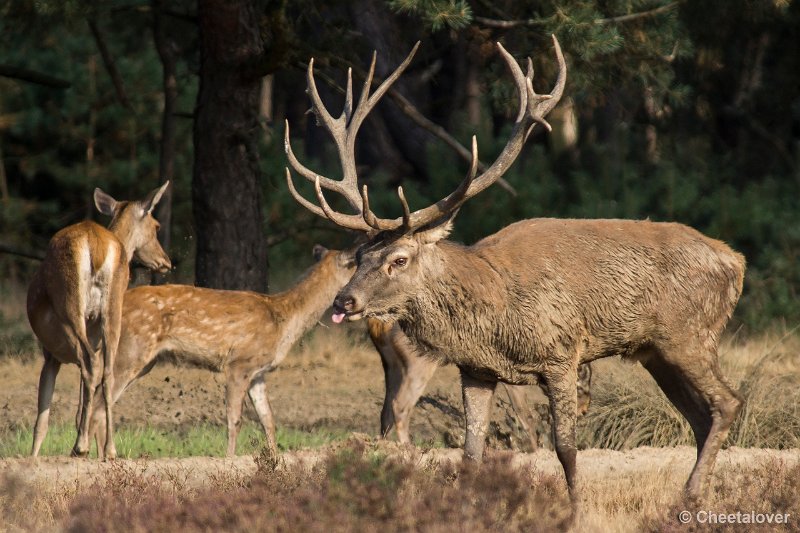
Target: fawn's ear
151,201
104,202
319,252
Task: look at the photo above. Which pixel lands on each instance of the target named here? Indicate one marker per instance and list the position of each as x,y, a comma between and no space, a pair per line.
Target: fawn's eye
400,262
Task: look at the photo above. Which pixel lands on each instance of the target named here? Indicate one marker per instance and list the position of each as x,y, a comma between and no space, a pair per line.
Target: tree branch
13,250
109,63
31,76
508,24
642,14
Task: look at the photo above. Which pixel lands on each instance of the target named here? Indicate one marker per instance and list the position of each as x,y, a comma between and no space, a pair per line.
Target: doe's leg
260,398
47,382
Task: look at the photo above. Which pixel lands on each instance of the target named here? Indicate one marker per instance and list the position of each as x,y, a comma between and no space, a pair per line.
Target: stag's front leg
563,396
477,395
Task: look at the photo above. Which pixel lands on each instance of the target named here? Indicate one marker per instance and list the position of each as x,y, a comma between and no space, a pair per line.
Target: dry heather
365,485
354,489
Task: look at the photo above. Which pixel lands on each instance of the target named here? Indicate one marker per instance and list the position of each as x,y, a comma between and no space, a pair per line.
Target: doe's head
134,224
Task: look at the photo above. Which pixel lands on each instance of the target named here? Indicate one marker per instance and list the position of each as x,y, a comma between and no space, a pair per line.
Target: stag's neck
457,303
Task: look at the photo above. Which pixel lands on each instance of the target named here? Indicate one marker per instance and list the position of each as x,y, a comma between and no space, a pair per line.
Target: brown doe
242,334
407,373
75,303
540,296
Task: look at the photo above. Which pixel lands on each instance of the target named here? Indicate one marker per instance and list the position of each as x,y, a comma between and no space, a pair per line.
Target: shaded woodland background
684,111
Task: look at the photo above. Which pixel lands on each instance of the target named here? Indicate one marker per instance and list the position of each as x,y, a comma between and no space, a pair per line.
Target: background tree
226,189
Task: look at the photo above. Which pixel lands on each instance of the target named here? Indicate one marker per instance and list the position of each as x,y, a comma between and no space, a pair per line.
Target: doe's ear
104,202
437,230
319,252
150,202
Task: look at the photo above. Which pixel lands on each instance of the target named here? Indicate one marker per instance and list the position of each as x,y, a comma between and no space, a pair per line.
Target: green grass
202,440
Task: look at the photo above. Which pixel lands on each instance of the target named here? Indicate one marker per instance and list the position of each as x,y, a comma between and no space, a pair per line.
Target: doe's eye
400,261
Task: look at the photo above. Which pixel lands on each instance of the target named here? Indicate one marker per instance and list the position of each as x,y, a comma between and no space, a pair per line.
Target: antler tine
371,220
317,106
347,112
363,107
393,77
366,101
406,210
541,104
302,201
354,222
520,80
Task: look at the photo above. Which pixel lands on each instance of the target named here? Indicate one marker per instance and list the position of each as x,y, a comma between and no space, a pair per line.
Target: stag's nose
344,303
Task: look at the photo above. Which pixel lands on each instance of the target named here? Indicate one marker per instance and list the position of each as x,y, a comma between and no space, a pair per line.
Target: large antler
343,130
532,110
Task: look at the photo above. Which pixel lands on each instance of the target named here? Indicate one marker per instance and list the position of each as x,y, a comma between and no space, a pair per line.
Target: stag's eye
400,262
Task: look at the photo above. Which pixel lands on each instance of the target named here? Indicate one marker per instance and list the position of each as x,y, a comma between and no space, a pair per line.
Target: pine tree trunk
226,196
167,52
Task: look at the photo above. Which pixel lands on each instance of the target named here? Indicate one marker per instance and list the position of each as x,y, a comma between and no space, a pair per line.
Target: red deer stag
75,303
540,296
406,373
243,334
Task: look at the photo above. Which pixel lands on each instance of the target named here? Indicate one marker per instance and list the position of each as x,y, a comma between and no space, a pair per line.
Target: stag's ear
437,230
104,202
319,252
149,203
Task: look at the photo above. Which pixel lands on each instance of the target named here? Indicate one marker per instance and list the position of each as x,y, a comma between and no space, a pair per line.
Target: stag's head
401,253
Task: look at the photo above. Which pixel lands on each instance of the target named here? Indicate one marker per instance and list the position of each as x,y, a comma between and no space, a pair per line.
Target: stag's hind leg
696,388
563,396
416,376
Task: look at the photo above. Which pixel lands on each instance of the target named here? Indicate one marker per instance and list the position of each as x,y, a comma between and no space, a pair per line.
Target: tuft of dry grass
766,499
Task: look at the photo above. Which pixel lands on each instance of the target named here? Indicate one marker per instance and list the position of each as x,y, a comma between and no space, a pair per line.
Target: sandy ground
325,384
595,466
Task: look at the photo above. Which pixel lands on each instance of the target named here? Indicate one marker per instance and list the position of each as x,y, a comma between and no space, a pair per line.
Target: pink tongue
337,318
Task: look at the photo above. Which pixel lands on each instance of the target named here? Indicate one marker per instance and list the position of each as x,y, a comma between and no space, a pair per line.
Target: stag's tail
733,266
